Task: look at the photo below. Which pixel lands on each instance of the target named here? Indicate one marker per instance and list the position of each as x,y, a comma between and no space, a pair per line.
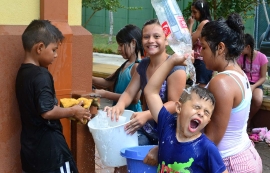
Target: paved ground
263,148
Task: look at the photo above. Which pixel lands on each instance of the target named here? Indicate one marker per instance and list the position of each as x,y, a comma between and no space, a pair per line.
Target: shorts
68,167
260,86
203,75
248,161
144,139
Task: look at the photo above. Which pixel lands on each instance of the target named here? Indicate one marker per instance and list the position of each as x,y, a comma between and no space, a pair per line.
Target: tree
222,8
97,5
111,27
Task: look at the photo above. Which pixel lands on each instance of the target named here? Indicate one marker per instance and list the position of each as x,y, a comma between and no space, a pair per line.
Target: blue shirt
198,156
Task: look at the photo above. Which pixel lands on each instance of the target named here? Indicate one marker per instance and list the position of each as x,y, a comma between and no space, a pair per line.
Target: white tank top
236,138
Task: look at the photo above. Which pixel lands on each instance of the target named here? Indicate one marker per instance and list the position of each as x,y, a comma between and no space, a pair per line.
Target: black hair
150,22
230,32
203,7
40,31
125,36
203,93
249,40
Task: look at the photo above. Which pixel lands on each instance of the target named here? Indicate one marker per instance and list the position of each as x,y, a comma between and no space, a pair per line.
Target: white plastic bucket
110,140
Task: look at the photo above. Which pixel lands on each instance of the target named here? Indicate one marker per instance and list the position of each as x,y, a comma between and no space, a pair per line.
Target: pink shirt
255,72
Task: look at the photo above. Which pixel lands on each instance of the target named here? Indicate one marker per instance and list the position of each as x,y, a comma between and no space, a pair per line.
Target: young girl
222,43
154,43
199,12
254,64
130,47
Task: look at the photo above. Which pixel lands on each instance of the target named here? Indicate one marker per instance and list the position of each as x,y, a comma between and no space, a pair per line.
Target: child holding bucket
254,64
182,146
154,43
129,40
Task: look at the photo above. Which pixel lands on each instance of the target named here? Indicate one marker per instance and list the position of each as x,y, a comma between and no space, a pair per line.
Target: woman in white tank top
222,42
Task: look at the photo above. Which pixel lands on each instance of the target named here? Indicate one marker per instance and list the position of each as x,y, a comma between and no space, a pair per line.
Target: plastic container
176,31
135,156
110,139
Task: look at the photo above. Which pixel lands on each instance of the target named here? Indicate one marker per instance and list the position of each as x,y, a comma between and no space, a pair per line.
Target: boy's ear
178,106
39,46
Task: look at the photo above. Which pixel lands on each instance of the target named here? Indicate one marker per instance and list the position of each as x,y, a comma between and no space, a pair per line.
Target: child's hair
150,22
249,40
203,7
230,32
125,36
40,31
203,93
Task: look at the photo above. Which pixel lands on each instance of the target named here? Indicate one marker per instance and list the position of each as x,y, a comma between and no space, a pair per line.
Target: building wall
22,12
76,48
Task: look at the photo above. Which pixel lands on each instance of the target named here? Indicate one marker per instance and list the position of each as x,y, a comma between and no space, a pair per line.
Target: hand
114,112
191,21
182,59
101,92
138,119
152,157
81,114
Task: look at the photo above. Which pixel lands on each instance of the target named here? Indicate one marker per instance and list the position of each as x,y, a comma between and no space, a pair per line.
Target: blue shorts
203,75
260,86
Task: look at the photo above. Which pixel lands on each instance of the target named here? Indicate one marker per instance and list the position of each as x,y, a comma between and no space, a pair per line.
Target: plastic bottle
176,31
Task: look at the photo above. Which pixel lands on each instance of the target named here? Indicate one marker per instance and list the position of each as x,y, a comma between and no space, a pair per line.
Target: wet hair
40,31
150,22
249,40
203,7
230,32
203,93
125,36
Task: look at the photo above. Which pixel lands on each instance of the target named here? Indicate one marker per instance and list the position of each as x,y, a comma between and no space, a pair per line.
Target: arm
125,98
223,91
101,82
77,112
176,83
152,88
196,34
263,76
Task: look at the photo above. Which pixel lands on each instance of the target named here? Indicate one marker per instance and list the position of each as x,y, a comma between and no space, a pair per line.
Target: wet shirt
43,146
198,156
150,127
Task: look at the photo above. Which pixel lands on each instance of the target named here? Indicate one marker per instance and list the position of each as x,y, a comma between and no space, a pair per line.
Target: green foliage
110,5
222,8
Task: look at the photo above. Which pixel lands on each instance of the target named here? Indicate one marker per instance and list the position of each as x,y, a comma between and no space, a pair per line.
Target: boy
43,146
182,146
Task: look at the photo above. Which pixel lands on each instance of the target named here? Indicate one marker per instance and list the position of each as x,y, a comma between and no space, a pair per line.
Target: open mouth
194,124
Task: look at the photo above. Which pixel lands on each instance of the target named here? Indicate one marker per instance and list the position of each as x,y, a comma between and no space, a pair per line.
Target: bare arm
196,34
224,91
152,88
263,76
77,112
101,82
126,98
